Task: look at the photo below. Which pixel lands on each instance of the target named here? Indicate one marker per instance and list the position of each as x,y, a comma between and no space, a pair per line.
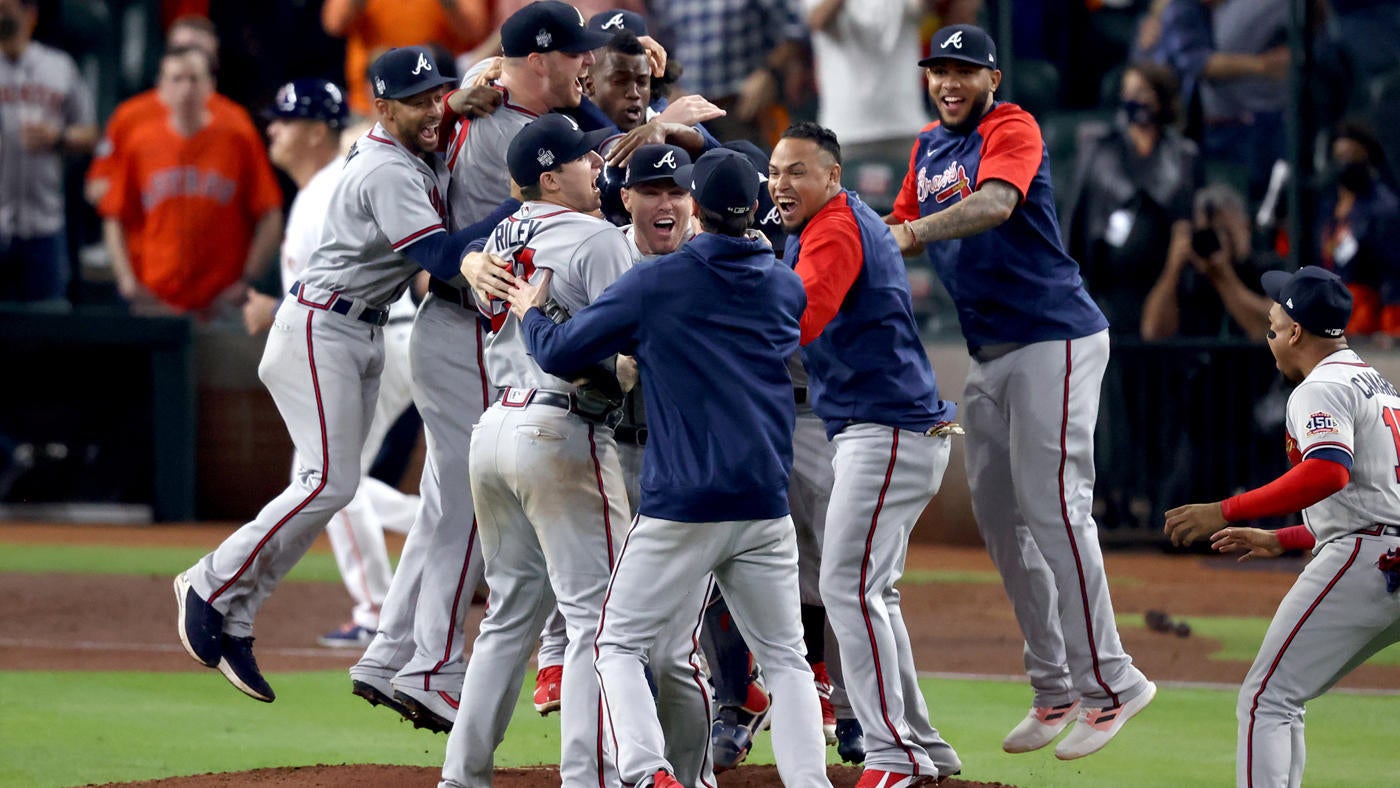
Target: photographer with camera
1202,290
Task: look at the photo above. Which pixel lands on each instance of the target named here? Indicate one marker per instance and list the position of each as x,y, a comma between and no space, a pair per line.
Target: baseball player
809,494
546,50
325,356
544,473
712,326
870,381
305,122
979,182
1343,430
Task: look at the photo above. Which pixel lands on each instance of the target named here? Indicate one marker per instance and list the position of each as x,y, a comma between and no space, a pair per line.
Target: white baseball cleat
1097,727
1040,727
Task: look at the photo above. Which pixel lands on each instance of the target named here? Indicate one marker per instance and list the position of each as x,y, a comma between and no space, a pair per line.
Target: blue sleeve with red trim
604,327
1012,150
441,254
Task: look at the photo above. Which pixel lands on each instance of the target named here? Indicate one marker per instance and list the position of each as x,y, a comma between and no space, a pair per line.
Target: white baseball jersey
385,199
306,219
586,255
1346,405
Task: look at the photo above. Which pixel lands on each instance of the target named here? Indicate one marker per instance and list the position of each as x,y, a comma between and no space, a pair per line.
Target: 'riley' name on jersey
943,186
510,241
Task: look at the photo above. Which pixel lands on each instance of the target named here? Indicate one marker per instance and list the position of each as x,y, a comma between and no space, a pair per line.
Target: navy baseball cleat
379,693
850,741
241,670
201,626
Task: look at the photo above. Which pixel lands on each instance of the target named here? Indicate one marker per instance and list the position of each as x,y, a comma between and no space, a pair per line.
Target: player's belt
627,433
345,306
518,398
1379,530
461,296
799,395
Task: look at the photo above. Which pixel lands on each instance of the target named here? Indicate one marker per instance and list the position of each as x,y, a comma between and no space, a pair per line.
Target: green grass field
59,729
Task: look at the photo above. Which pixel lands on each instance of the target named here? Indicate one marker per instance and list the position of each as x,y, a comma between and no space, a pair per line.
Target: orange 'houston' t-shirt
189,206
383,24
145,108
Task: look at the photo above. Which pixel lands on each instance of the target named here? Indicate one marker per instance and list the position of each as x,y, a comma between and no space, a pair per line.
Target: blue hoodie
711,326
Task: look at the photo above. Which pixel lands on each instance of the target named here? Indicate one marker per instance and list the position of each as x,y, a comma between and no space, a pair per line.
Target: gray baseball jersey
586,255
42,86
1339,612
386,199
477,160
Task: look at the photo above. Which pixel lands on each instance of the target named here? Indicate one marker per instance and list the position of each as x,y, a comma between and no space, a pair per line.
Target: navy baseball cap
549,26
309,99
722,181
546,143
406,71
968,43
656,162
1314,297
767,220
617,20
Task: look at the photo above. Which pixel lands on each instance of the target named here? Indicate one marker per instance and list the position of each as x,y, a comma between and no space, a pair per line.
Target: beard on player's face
660,215
961,93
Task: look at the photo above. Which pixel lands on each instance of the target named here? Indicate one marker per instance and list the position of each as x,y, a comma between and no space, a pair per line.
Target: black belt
626,433
1379,530
799,395
518,398
461,296
343,306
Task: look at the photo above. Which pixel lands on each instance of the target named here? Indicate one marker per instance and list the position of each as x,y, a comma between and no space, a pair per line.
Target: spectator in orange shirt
371,26
194,212
187,31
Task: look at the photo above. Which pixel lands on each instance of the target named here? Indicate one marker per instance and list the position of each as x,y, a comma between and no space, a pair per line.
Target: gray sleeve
602,258
80,108
396,198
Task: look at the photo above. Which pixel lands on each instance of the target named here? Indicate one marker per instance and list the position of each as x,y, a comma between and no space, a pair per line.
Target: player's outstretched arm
984,209
603,328
1306,483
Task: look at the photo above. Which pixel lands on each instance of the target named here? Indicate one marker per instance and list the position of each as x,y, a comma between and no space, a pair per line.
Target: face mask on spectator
1354,176
9,26
1136,113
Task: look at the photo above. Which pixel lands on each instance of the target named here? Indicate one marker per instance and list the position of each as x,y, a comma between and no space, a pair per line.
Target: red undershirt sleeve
906,203
1295,537
1304,485
829,264
1012,152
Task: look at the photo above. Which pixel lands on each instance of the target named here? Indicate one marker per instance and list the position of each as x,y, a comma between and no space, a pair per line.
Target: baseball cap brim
587,41
929,61
1274,282
429,82
675,177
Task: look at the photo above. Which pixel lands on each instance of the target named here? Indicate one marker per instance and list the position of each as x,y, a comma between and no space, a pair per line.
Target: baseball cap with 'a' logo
406,71
967,43
1314,297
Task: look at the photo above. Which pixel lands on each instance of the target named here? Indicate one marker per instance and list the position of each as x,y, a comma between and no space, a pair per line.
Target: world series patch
1321,423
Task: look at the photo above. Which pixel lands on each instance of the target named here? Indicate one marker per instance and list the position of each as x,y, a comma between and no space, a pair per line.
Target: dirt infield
94,622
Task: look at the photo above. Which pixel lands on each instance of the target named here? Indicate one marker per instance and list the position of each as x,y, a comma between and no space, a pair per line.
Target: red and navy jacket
861,346
1014,283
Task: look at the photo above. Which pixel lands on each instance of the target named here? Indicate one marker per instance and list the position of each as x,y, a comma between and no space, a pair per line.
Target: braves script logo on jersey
1321,423
423,65
943,186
